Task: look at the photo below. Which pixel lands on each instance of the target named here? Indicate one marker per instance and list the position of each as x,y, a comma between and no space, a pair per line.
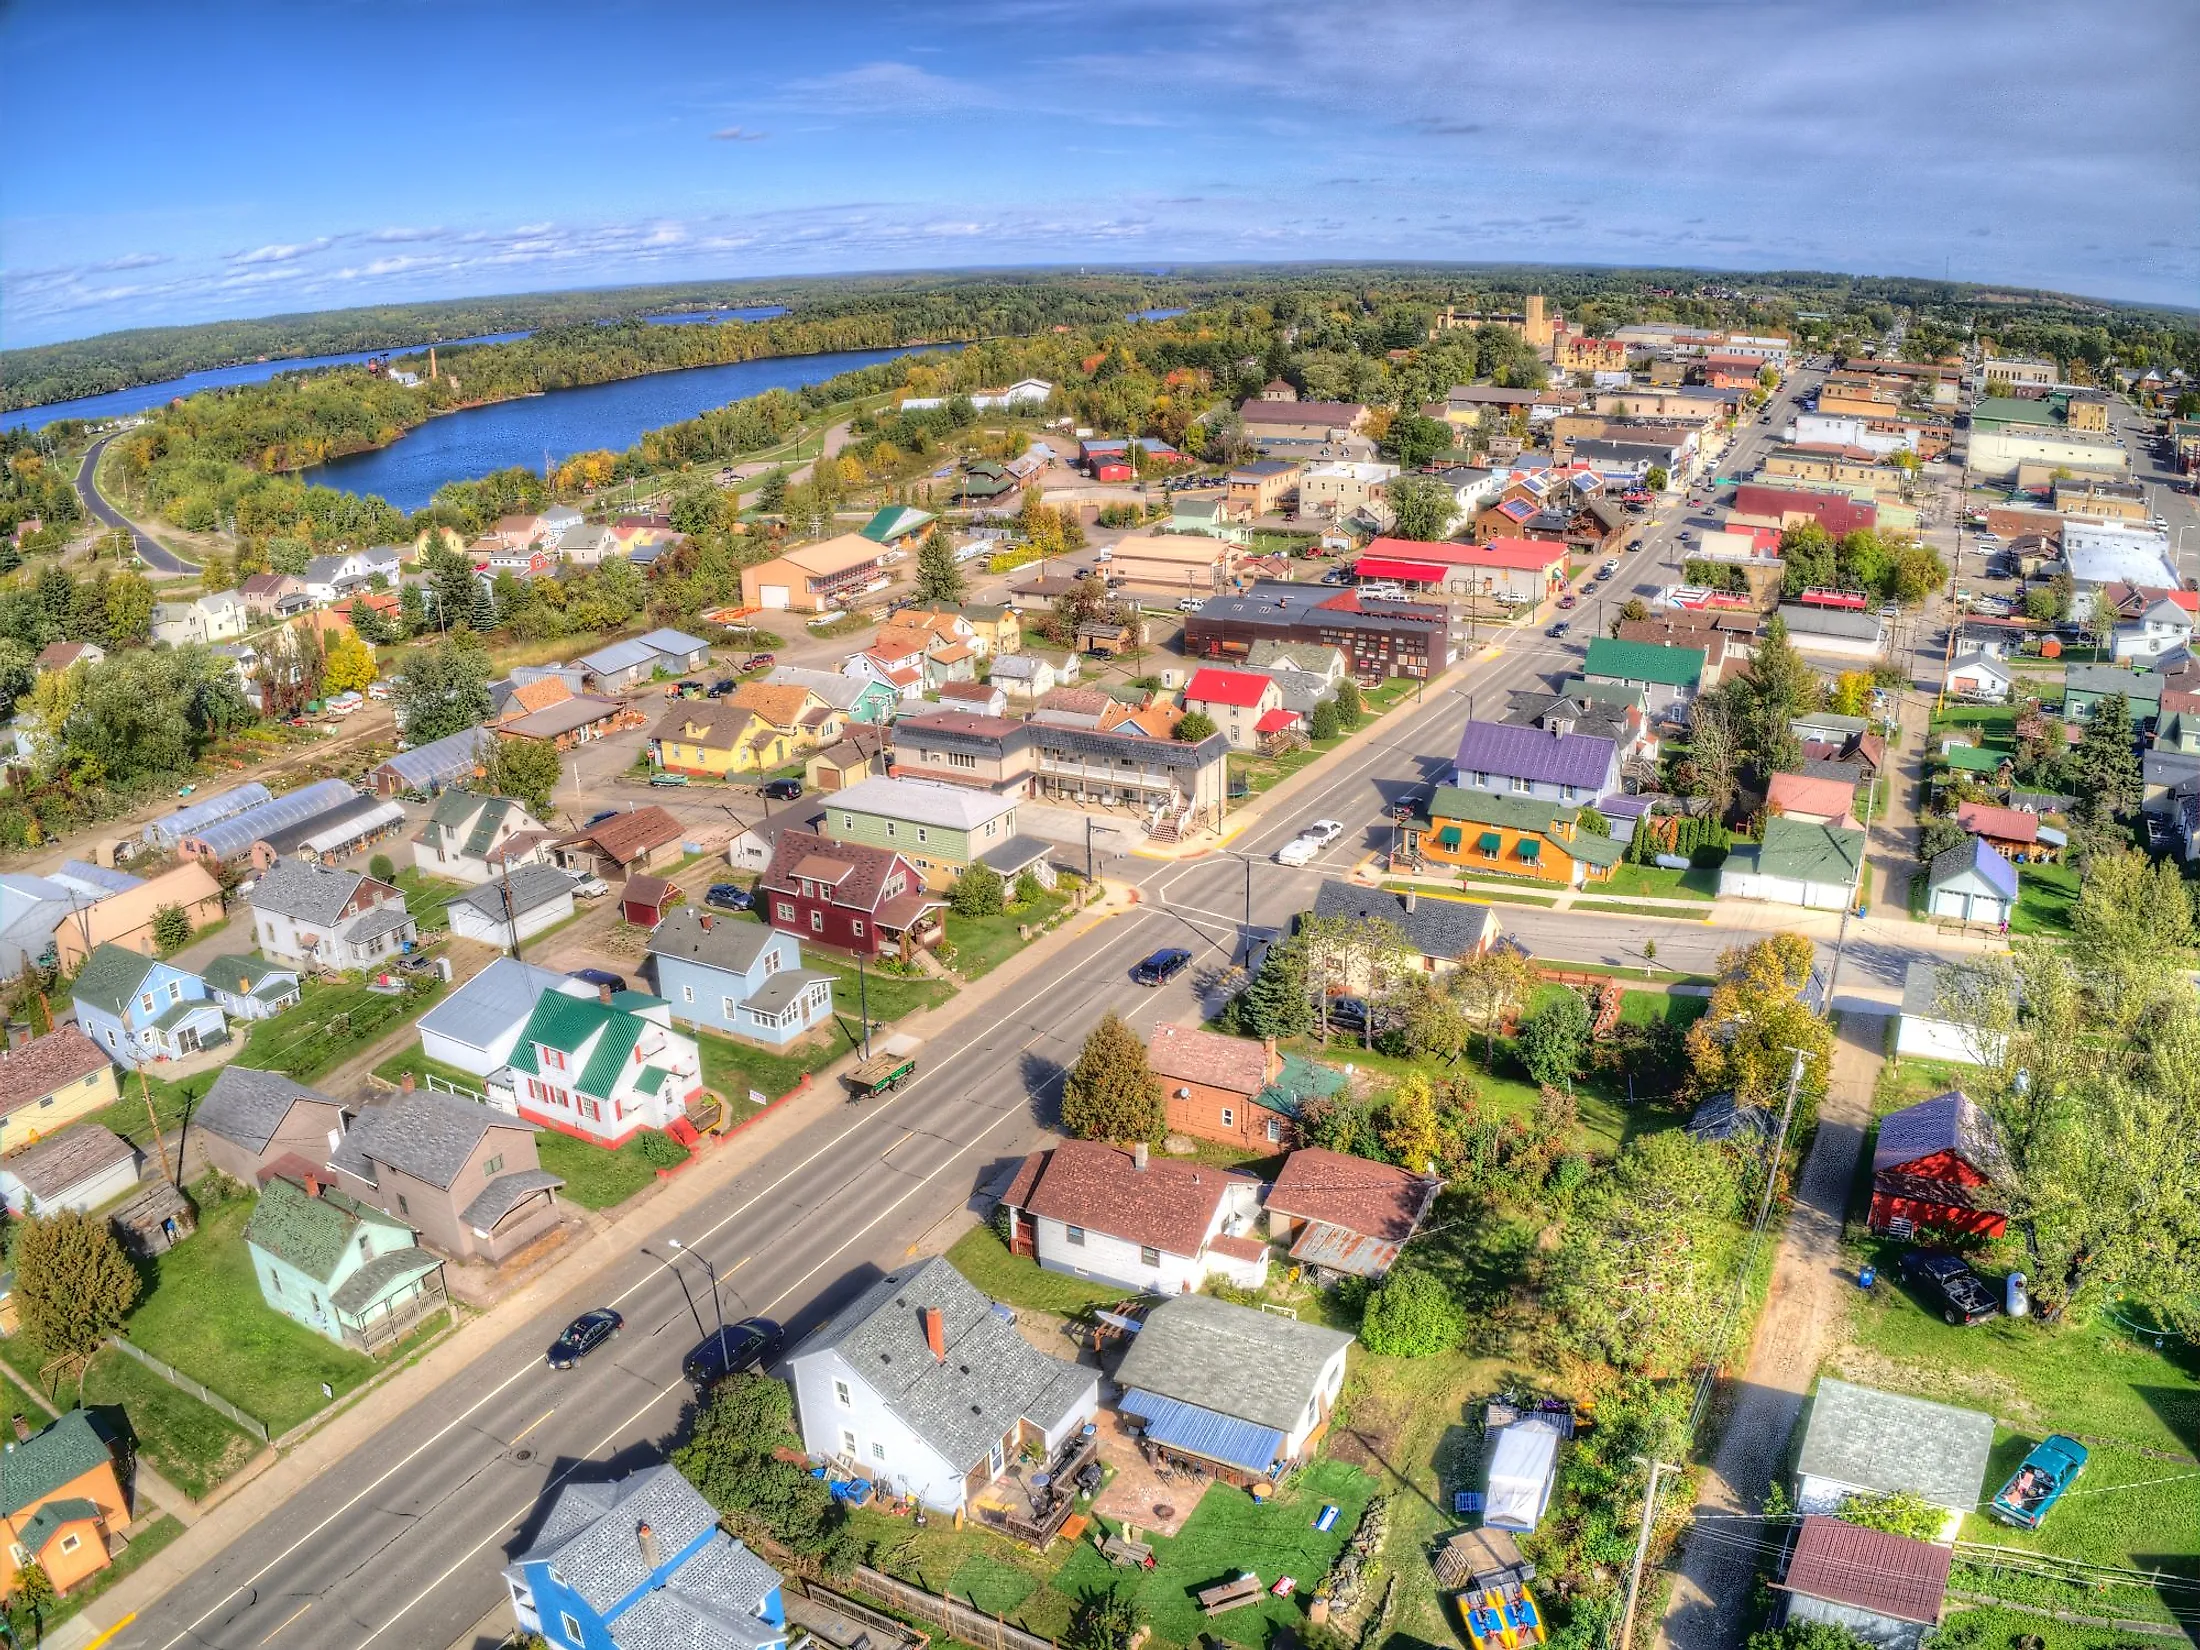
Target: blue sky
252,159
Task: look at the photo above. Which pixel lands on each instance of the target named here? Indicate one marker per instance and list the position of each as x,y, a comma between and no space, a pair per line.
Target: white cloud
283,254
739,134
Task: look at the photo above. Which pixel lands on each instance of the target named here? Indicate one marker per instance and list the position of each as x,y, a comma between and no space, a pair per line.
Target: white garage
513,907
1814,866
1925,1029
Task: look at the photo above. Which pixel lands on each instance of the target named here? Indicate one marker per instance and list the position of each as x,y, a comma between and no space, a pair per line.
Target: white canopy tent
1523,1467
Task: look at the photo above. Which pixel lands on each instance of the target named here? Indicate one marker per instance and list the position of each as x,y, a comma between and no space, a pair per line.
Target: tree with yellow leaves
350,664
1758,1018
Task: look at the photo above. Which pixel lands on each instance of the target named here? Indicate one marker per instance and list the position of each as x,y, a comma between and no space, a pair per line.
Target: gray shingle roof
1017,855
360,1291
531,886
990,1377
310,893
503,1194
494,1000
1885,1442
724,943
1204,1351
426,1134
588,1540
247,1106
783,988
1439,927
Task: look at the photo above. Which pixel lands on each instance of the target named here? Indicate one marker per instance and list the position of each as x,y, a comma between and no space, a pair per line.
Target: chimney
22,1430
646,1539
603,994
935,1331
1138,1157
313,1184
1413,896
1268,1053
406,1082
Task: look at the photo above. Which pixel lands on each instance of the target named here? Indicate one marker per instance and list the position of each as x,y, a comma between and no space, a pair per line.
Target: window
961,759
47,1101
1074,1236
494,1166
572,1628
817,922
553,1058
91,1079
889,827
403,1207
857,926
878,1450
1568,793
71,1541
847,822
1521,787
145,1001
786,912
1148,1255
175,991
1275,1128
842,1396
687,993
727,1006
1229,1117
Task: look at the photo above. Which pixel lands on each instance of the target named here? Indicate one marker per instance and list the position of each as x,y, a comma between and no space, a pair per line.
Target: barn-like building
1940,1166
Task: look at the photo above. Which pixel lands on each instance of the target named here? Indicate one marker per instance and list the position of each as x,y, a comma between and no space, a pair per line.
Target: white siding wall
1816,896
1116,1260
1319,1404
1825,1495
468,922
1934,1040
910,1464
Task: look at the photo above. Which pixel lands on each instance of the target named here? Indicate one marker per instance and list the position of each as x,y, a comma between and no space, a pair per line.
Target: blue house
641,1564
140,1009
737,976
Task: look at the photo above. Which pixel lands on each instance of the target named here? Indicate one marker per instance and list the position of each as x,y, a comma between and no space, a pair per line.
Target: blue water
1152,314
462,446
705,317
122,403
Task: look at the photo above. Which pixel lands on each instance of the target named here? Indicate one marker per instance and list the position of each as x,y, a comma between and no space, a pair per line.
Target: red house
1940,1164
849,896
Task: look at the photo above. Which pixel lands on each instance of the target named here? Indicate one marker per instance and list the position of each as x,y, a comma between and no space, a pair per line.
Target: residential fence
959,1620
197,1389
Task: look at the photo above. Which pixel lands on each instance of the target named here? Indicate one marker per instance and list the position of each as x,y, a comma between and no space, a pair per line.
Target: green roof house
2085,686
140,1009
1798,863
601,1070
898,526
1665,675
251,987
338,1266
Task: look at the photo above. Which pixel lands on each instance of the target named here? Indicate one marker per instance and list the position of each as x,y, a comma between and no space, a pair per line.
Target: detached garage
508,909
1798,863
1971,883
1928,1028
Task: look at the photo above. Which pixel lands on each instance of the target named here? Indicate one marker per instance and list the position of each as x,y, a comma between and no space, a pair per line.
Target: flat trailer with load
881,1074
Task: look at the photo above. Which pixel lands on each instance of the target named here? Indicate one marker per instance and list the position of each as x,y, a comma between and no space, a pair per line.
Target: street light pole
716,1305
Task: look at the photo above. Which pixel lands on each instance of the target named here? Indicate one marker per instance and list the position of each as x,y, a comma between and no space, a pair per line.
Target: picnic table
1121,1550
1232,1595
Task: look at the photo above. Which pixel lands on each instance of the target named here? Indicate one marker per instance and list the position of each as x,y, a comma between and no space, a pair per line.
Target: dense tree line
34,484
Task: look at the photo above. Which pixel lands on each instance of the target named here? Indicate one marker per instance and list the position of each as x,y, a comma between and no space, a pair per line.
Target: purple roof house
1503,760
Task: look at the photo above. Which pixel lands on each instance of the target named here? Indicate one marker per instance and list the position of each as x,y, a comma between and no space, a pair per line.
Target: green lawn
734,1068
331,1023
187,1443
414,1062
1480,896
982,944
1620,908
595,1178
2045,895
173,1100
425,896
202,1312
1262,773
1996,725
981,1256
1697,882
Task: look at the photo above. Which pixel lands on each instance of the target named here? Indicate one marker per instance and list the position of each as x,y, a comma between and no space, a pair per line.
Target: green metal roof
1299,1081
65,1451
566,1024
1644,662
1802,852
652,1079
1595,848
111,977
896,521
310,1233
2013,409
49,1521
1514,813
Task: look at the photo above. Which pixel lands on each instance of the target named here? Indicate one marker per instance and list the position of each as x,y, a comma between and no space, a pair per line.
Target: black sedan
1944,1280
1161,967
749,1344
728,896
583,1335
599,977
783,790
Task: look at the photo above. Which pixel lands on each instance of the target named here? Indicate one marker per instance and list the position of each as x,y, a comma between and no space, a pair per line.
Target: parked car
1189,604
2037,1484
1161,967
1944,1280
749,1344
583,1335
1349,1014
599,977
1608,569
668,779
728,896
718,690
758,661
591,888
782,790
1566,600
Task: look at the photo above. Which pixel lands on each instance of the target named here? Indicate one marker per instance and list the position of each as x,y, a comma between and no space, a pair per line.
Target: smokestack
935,1331
22,1430
603,994
646,1539
1138,1157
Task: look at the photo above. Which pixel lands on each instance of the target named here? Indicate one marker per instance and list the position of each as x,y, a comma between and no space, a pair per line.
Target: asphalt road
155,557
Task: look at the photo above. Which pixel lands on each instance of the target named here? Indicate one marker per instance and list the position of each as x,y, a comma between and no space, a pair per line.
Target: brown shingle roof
1186,1054
721,723
868,867
1362,1196
1166,1205
631,835
1889,1575
74,1155
44,1064
779,703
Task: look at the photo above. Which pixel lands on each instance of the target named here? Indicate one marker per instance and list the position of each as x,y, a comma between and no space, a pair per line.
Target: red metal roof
1227,687
1391,567
1276,721
2002,824
1889,1575
1529,555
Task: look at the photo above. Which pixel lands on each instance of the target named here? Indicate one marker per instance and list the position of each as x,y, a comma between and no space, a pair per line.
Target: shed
431,767
1886,1589
1862,1441
1940,1164
80,1168
1346,1214
645,900
1927,1030
154,1221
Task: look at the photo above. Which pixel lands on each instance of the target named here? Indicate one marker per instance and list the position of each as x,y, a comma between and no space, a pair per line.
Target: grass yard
1697,882
1996,725
173,1101
425,896
1261,773
202,1312
1620,908
415,1063
330,1024
981,1256
733,1068
595,1178
2045,897
982,944
1480,896
187,1443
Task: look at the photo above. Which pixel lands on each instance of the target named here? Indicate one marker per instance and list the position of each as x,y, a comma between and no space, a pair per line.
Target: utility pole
1642,1548
863,1001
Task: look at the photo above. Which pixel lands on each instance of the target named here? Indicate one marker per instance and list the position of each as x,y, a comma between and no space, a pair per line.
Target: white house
218,616
1798,863
470,838
1834,630
312,915
920,1384
330,578
1863,1442
602,1068
2163,627
1025,676
1979,675
1927,1029
510,908
1150,1224
476,1027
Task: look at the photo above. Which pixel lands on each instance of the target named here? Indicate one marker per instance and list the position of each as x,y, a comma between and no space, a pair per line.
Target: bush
171,928
1412,1316
659,1150
1325,722
1898,1514
1194,726
978,892
382,868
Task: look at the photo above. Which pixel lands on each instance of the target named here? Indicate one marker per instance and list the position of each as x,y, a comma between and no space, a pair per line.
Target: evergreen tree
939,575
1350,706
1276,1004
2105,769
74,1281
412,610
1111,1093
1324,723
482,613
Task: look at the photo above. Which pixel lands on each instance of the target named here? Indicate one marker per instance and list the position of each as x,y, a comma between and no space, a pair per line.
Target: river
463,446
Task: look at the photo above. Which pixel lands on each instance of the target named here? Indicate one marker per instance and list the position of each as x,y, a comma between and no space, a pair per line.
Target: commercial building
1380,638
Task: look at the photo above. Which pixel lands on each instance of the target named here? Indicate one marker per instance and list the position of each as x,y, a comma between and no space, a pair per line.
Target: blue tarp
1203,1432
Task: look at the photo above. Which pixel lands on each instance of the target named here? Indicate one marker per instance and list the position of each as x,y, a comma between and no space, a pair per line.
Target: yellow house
762,726
49,1083
991,631
1511,836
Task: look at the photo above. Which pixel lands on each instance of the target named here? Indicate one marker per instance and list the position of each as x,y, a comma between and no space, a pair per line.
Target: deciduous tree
445,690
350,664
1492,987
526,770
1555,1037
1413,1315
1757,1017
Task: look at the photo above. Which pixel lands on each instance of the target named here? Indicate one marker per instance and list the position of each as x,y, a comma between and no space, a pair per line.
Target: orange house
1512,836
61,1498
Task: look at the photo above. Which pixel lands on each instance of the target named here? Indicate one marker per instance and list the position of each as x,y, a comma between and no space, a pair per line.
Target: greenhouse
228,838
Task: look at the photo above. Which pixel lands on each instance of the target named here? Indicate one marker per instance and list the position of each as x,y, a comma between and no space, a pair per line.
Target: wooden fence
198,1389
959,1620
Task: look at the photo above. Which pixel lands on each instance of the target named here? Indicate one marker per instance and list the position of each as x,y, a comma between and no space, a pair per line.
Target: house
1380,637
549,710
50,1082
1273,658
640,839
815,578
992,629
1234,1090
1338,491
251,988
1940,1166
959,747
761,726
898,661
1814,801
509,909
938,828
628,664
464,1175
2013,833
1566,768
1834,630
641,1564
1260,487
475,1027
1185,1379
59,656
978,698
859,753
1971,882
2085,686
429,769
252,1119
1979,676
1862,1442
601,1071
1025,676
322,918
644,900
737,977
848,896
338,1266
215,617
1121,1216
2164,627
273,595
140,1009
1178,564
919,1384
470,838
63,1500
328,577
1887,1590
1929,1029
1302,429
1345,1215
1666,675
1238,702
1602,710
1814,866
1510,835
79,1168
855,699
1445,932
